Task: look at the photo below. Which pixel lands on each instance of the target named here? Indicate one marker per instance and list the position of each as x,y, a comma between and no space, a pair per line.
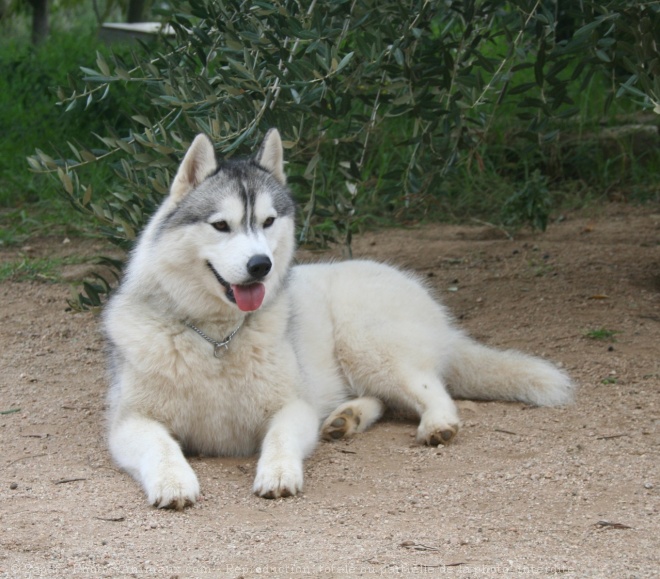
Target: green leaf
66,181
87,195
103,67
143,120
344,62
591,26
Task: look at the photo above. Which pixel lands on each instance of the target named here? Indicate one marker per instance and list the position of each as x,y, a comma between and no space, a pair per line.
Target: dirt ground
522,491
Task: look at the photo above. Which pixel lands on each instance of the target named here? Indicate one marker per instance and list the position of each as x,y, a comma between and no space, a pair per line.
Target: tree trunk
40,26
136,10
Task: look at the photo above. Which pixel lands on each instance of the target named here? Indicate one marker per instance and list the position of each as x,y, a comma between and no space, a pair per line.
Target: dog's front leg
145,449
291,436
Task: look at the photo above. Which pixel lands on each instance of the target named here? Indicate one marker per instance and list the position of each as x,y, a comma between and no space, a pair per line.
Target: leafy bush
29,77
379,104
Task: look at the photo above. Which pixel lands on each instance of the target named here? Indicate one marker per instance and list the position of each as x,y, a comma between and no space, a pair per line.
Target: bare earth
523,491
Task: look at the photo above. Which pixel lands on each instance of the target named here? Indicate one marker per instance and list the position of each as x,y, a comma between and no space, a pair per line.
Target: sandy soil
523,491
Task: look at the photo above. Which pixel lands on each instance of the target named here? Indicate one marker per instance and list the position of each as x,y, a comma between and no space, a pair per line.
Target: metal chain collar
216,345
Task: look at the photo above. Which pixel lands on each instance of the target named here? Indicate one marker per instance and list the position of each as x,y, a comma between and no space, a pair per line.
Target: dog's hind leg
409,388
352,417
425,393
145,449
291,436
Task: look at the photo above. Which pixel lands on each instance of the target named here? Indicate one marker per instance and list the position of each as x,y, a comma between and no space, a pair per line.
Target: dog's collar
216,345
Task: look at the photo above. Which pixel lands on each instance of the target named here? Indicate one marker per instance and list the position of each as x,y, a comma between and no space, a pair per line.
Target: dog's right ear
271,155
198,164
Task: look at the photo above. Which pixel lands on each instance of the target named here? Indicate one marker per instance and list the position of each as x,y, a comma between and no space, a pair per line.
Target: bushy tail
478,372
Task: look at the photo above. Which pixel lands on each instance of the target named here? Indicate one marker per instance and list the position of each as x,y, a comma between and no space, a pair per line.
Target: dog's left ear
198,163
271,155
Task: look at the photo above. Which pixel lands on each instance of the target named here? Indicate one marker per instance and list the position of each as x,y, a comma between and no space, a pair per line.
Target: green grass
36,269
27,269
47,217
602,335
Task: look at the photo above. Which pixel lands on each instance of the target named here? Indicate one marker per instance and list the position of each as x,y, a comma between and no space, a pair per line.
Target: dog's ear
198,164
271,155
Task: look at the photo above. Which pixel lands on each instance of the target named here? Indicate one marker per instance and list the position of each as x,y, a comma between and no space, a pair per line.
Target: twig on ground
506,432
608,436
418,546
608,525
27,457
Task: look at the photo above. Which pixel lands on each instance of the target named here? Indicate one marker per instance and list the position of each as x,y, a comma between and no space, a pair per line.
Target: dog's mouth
248,297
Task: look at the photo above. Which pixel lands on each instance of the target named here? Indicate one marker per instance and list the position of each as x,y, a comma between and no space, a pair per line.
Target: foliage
636,53
28,119
530,204
380,104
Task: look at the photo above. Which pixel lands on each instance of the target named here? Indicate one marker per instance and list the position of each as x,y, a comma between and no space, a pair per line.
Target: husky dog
218,346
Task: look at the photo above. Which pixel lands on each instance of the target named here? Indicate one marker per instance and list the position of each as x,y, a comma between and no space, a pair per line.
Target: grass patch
44,269
47,217
27,269
602,335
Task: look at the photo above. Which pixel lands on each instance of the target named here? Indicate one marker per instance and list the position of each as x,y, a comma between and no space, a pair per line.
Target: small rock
13,486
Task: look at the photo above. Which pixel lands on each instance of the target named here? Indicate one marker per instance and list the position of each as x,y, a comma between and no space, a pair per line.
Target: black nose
259,266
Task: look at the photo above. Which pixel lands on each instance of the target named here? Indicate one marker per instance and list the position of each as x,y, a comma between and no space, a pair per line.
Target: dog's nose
258,266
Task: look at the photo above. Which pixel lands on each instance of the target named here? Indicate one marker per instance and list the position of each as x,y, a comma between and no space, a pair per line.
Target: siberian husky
218,346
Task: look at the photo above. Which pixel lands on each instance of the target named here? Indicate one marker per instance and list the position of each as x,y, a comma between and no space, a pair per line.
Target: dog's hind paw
341,424
276,481
352,417
441,435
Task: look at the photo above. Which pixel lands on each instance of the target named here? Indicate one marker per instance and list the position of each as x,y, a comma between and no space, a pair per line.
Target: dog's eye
221,226
269,222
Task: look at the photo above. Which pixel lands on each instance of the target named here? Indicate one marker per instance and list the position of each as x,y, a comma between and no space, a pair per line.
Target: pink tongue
249,297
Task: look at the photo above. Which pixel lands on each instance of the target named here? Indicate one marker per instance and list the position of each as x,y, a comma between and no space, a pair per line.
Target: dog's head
231,223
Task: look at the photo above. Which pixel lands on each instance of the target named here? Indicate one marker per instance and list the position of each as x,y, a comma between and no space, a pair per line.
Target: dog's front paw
277,479
175,486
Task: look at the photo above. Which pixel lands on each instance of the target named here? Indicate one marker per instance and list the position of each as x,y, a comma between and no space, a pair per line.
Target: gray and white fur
315,350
